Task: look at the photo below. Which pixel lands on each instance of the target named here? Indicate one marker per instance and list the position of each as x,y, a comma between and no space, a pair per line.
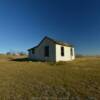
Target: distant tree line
16,53
80,56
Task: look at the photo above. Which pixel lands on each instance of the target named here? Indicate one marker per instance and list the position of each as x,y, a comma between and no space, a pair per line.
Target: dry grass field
26,80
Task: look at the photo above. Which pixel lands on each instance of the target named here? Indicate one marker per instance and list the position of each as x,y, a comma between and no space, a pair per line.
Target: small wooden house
52,50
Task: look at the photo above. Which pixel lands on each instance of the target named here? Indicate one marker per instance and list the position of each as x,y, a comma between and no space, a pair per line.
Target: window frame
71,51
47,51
33,51
62,51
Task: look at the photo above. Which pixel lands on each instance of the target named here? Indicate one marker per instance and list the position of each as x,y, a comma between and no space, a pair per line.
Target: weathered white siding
73,57
39,51
67,53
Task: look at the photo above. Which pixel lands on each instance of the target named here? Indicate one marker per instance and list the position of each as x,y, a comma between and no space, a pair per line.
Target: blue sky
23,23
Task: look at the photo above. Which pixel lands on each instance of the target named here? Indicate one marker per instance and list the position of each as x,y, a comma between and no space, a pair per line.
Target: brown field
26,80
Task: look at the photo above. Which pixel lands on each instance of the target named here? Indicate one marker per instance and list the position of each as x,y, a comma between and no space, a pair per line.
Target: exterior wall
39,51
30,55
73,57
67,53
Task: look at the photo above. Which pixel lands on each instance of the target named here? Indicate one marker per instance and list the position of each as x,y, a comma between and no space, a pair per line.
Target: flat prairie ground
29,80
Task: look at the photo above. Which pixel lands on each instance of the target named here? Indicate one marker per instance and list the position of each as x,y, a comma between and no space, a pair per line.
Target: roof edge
55,41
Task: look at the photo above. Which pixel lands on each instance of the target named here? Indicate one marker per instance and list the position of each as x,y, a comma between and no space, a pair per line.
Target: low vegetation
29,80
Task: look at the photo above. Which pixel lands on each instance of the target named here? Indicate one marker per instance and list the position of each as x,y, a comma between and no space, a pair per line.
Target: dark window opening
46,51
33,51
62,51
71,51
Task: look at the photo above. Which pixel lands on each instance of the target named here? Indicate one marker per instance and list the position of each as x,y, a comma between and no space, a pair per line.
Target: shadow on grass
20,59
28,60
24,60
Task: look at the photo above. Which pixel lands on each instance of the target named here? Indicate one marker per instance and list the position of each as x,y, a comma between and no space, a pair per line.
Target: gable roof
54,41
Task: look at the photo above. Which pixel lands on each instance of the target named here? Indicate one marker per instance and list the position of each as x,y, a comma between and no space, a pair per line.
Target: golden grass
27,80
